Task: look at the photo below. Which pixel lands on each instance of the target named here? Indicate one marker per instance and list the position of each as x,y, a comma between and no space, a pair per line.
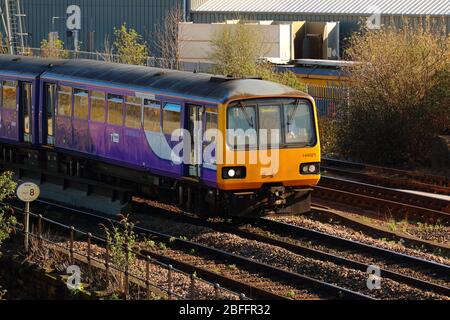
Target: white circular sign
28,191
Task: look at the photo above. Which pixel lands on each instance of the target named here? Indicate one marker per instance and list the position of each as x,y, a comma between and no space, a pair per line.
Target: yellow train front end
270,155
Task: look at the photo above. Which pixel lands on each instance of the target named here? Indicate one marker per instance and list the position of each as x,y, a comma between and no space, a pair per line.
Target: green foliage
53,49
7,188
328,131
400,94
129,46
236,51
118,239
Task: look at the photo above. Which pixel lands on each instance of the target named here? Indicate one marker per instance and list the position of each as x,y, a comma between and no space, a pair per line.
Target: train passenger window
152,112
9,93
115,109
241,126
80,104
269,126
211,122
133,112
98,106
171,118
64,101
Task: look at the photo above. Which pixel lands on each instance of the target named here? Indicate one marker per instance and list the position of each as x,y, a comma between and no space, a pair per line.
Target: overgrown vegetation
237,51
167,44
119,238
53,48
129,46
400,98
7,188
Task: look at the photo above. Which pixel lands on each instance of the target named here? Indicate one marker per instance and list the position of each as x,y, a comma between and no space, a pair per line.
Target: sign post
27,192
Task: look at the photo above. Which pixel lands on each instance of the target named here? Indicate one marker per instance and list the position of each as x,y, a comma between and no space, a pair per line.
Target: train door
195,128
26,112
49,124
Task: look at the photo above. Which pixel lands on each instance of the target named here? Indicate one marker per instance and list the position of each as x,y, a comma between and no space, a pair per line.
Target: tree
237,52
53,48
7,188
399,93
129,46
167,39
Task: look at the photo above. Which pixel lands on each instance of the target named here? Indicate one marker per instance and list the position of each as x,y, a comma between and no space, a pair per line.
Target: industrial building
92,21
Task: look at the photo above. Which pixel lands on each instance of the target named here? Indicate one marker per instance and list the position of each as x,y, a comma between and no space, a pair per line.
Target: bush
399,94
129,46
53,49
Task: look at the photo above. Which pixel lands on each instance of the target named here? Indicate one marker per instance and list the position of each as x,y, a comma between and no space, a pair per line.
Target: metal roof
154,80
349,7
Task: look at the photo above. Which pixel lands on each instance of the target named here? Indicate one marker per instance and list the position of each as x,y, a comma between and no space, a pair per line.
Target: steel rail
303,250
291,277
396,178
351,244
418,200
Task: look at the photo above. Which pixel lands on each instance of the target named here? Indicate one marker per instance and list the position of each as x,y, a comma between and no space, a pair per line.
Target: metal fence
64,244
329,100
191,66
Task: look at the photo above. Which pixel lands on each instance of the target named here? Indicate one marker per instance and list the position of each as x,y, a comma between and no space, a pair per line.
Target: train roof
155,80
25,66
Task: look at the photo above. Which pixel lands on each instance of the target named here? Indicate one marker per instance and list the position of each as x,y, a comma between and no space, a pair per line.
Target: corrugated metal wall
348,23
100,16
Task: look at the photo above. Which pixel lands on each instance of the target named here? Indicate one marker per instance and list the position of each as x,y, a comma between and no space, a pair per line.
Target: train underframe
191,196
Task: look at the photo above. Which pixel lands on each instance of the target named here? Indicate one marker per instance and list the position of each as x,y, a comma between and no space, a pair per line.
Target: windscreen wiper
246,115
291,115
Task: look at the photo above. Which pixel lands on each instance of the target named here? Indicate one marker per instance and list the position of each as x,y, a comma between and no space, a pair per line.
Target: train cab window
299,123
115,109
64,101
9,94
241,126
80,104
269,125
133,112
98,106
171,118
152,113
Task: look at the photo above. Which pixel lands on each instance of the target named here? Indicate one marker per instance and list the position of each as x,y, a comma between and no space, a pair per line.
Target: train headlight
234,172
310,168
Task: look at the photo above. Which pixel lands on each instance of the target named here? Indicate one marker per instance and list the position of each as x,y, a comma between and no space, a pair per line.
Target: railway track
273,276
382,200
292,245
388,177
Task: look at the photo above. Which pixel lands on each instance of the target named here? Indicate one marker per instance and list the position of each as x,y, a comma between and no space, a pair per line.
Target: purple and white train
96,119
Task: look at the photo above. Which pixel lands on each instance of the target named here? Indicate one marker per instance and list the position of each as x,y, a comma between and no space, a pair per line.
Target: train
315,72
218,145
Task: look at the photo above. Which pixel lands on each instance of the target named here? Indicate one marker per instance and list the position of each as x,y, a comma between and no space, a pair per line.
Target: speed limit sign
28,191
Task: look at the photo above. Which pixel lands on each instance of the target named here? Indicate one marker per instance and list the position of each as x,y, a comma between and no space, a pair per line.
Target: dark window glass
241,131
50,90
133,112
269,125
98,106
80,104
152,112
64,101
171,118
115,109
299,124
9,94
